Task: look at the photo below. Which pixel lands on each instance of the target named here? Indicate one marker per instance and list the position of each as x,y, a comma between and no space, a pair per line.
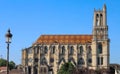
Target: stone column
39,62
75,53
33,63
26,72
94,55
66,53
85,55
32,70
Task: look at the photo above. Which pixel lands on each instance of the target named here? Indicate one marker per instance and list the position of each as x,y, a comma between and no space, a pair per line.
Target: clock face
51,60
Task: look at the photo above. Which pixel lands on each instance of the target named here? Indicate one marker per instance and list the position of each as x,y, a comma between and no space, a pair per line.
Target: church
49,52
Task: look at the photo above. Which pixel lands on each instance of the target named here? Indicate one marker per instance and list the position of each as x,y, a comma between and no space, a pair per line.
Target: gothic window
44,70
101,18
29,69
81,50
36,69
89,61
89,49
53,49
71,50
97,15
98,60
63,50
97,22
45,49
62,59
100,48
30,51
70,59
101,60
36,50
41,49
43,61
97,19
41,70
81,61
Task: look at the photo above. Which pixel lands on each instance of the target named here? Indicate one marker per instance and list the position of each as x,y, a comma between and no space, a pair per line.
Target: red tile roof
73,39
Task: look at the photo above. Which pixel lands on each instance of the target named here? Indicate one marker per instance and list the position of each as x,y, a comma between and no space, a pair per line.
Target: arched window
97,15
41,49
89,50
101,19
36,69
81,61
99,48
45,49
71,50
89,61
81,50
70,59
29,51
100,60
97,20
63,50
36,50
43,61
53,50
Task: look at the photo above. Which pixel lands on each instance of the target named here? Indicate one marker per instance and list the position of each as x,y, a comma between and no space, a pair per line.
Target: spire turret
104,7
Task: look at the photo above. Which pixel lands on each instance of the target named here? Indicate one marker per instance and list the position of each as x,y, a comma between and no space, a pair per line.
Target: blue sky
28,19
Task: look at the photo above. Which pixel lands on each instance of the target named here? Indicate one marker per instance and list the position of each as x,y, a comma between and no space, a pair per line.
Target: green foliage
66,68
3,62
11,65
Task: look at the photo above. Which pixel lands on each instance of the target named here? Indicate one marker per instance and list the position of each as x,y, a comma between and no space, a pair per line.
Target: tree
11,65
3,62
66,68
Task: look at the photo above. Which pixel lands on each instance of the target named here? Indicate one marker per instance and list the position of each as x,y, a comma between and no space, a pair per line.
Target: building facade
49,52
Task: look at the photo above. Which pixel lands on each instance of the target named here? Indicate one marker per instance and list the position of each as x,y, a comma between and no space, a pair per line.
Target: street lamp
8,41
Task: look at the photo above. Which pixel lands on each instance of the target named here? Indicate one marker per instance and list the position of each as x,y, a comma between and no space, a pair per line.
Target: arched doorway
36,70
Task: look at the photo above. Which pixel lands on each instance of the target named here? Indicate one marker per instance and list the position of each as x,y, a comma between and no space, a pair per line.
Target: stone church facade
49,52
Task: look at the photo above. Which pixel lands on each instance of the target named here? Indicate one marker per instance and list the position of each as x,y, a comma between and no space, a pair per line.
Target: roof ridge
48,39
63,34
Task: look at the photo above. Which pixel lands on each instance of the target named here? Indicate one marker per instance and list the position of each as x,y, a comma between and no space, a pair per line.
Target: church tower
100,39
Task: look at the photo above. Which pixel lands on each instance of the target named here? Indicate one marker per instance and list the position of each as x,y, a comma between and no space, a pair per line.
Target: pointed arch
61,60
71,51
36,69
72,61
43,61
81,61
63,50
100,49
89,49
101,19
45,49
81,50
53,49
89,61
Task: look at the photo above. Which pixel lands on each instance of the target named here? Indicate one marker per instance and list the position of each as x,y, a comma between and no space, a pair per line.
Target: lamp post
8,41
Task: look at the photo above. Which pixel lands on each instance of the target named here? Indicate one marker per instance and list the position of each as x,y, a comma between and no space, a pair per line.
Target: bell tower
100,39
100,28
